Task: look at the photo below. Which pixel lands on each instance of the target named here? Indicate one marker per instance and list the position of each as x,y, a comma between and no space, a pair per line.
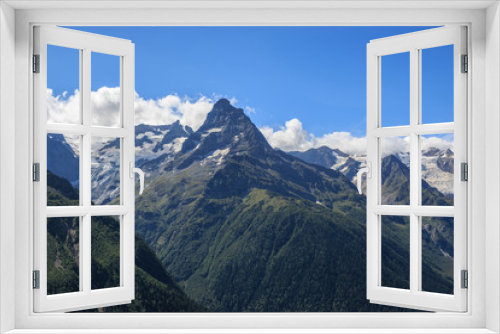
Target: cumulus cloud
439,142
394,145
63,108
249,110
105,106
292,137
172,108
344,141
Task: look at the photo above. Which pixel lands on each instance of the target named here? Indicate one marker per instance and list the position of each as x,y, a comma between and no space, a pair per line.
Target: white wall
492,165
483,151
7,161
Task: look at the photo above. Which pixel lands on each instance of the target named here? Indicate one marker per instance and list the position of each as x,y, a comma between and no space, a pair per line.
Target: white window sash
86,298
414,297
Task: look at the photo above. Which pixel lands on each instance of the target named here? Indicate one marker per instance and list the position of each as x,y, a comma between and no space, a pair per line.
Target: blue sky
314,74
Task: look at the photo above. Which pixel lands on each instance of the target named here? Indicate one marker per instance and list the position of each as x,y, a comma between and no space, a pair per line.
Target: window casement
83,214
416,211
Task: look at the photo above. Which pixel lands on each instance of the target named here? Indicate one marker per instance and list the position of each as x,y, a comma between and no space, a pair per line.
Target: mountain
59,188
334,159
151,142
437,232
61,158
226,129
396,185
155,144
243,227
438,169
323,156
437,165
229,143
156,291
175,130
437,172
155,140
395,182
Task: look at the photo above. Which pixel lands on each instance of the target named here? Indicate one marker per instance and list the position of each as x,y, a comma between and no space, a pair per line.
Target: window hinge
465,279
36,279
464,168
36,63
465,64
36,172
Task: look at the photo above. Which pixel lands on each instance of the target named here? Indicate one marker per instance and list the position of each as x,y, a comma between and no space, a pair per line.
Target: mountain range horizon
326,156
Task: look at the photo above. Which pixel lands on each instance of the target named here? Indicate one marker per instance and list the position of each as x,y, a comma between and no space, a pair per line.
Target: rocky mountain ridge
437,165
157,145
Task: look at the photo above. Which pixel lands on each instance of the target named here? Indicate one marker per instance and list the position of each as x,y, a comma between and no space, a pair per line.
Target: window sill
251,331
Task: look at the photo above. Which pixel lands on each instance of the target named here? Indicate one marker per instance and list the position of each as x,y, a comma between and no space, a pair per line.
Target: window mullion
127,261
86,185
414,171
85,251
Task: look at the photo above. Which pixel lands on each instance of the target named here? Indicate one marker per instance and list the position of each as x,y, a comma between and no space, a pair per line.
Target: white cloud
232,100
172,108
441,142
249,110
105,104
393,145
344,141
292,137
63,108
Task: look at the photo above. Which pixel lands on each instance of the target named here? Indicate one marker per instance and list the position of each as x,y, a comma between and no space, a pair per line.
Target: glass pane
105,238
395,90
396,252
437,84
106,96
63,169
63,255
105,171
395,170
437,254
438,164
63,85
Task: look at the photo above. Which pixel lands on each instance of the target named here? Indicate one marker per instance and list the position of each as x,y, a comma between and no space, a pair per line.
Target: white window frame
483,21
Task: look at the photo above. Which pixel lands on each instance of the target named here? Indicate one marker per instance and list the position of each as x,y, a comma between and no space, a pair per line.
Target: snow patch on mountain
216,157
437,169
209,131
404,157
